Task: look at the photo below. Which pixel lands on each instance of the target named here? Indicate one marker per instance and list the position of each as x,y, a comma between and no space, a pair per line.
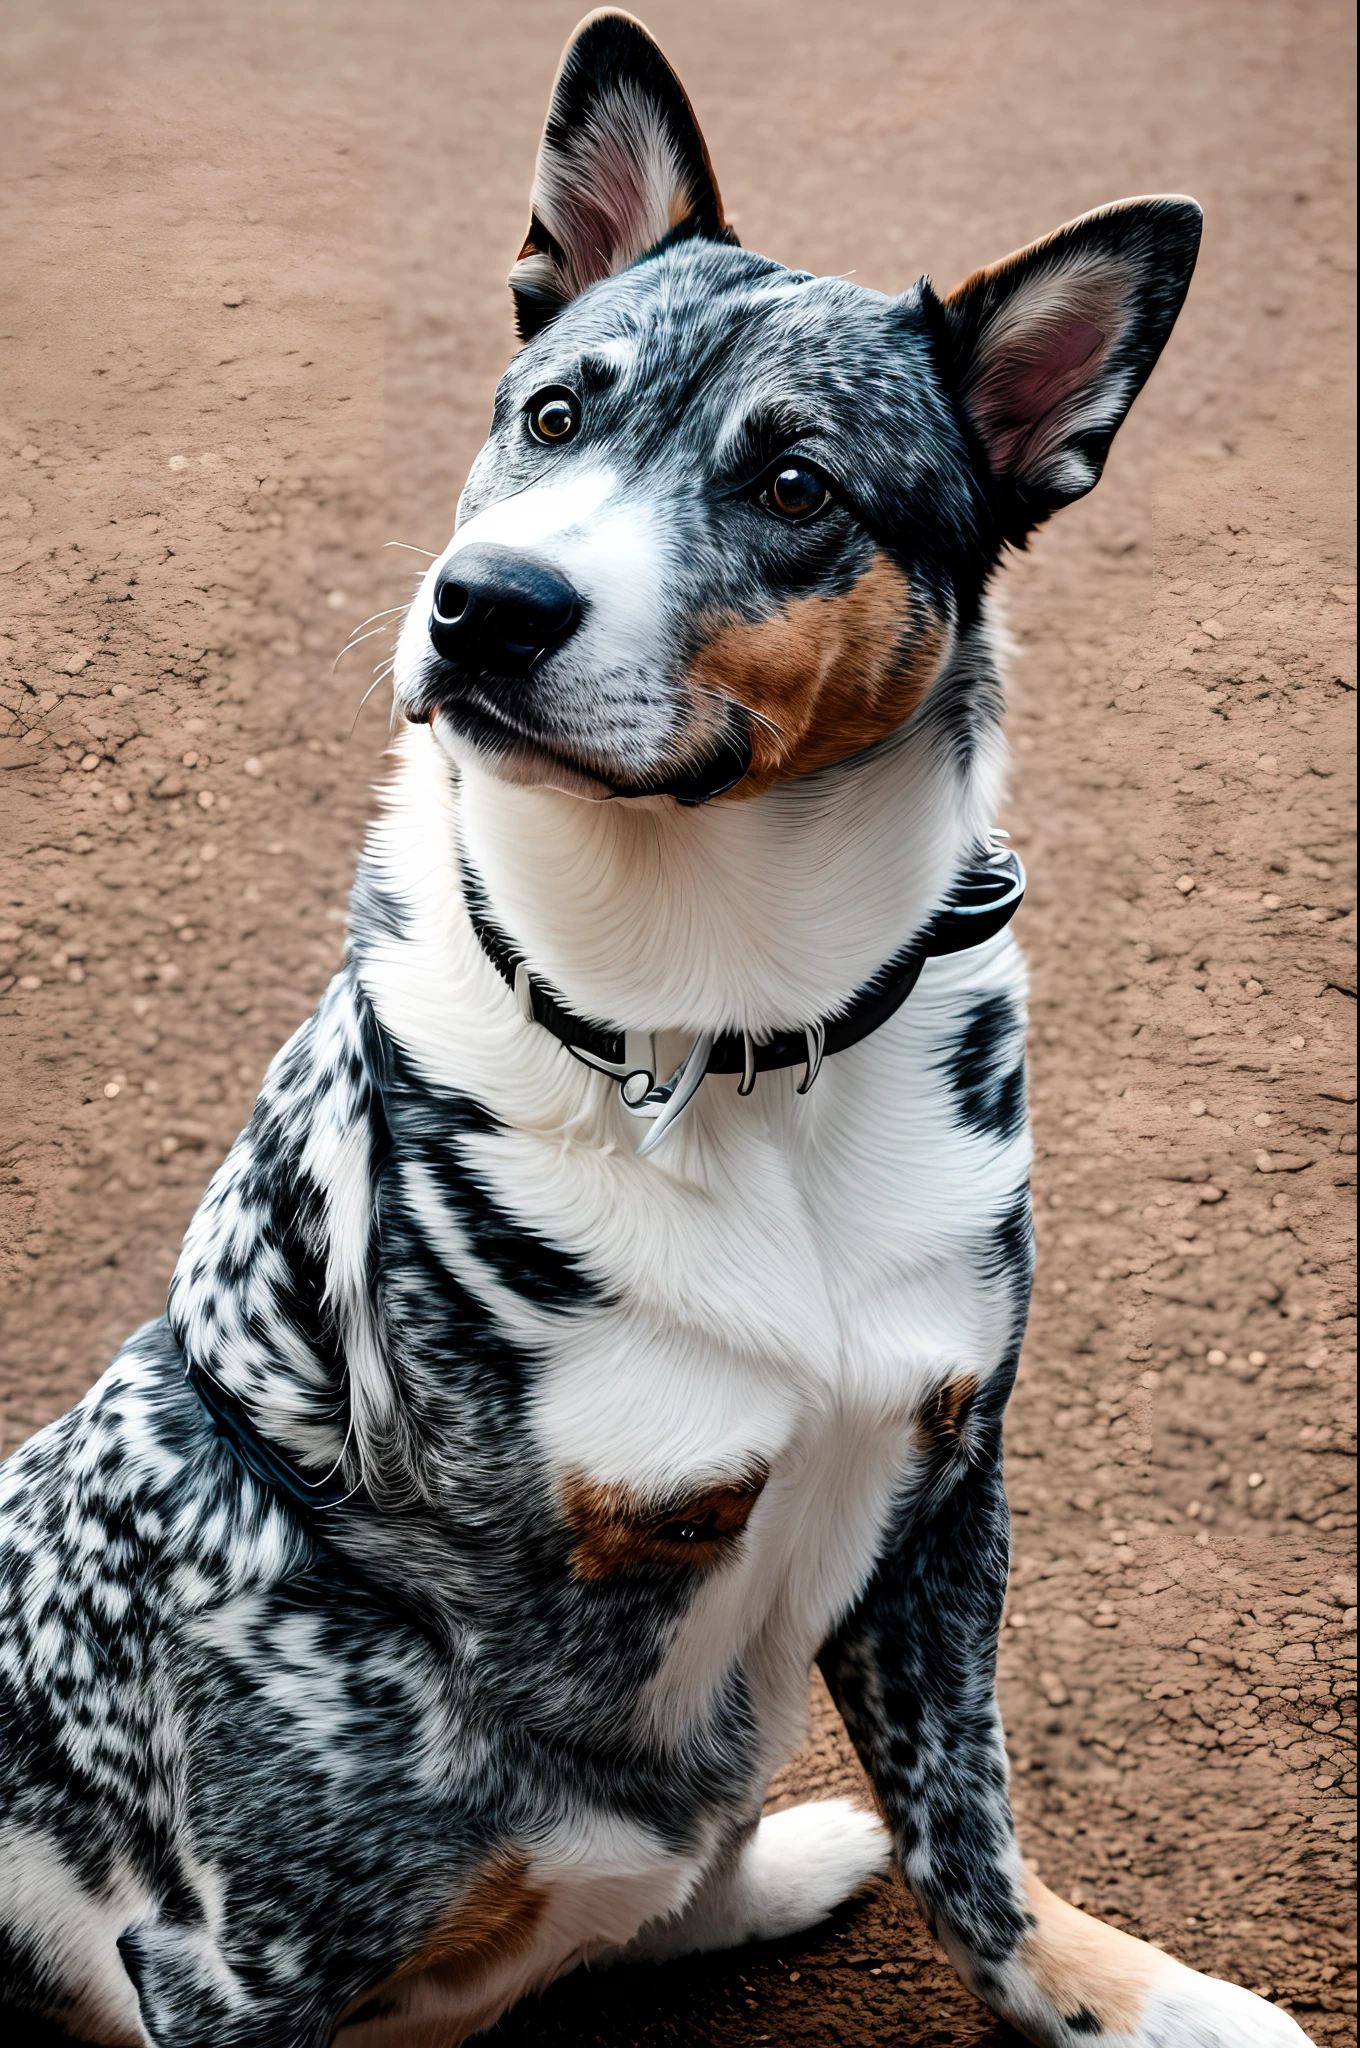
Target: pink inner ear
613,192
604,214
1037,365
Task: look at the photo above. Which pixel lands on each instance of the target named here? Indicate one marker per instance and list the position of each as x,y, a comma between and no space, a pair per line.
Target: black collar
984,898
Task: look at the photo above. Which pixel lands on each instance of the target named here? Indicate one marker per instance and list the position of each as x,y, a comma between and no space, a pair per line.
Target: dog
610,1308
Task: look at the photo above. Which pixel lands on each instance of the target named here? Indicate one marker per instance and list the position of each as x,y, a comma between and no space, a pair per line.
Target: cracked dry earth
253,315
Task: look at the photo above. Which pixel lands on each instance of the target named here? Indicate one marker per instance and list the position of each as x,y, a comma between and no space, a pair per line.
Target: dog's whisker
390,613
430,554
358,641
358,637
731,703
364,699
776,731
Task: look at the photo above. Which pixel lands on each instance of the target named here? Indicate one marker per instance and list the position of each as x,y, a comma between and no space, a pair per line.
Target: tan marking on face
1083,1965
495,1916
939,1426
618,1531
827,676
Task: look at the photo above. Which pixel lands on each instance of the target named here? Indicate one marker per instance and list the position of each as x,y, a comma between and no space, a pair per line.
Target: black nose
499,612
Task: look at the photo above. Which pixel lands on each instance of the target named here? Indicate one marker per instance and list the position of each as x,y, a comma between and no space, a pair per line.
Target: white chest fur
787,1279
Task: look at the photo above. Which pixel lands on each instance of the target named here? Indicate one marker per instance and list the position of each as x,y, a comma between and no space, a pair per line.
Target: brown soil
254,315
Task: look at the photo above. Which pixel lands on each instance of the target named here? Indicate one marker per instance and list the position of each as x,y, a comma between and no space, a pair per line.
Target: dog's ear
1048,349
621,166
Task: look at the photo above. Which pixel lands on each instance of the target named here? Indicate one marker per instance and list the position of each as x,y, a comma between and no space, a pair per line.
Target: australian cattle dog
609,1309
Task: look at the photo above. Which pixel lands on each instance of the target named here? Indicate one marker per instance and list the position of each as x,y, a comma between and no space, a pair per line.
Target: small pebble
253,766
28,453
1216,1358
233,298
1255,1479
179,462
90,763
337,600
1270,902
77,662
122,802
1256,1358
1261,1120
111,1088
208,852
1185,884
1197,1108
206,799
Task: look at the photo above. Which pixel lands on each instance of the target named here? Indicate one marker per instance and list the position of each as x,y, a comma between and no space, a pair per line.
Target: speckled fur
625,1444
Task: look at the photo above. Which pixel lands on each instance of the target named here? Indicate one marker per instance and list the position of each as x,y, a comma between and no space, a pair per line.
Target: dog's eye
704,1531
796,492
553,416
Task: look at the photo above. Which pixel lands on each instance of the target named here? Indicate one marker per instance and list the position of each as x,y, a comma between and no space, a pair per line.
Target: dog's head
731,518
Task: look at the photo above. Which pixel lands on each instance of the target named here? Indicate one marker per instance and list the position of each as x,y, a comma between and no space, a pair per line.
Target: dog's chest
744,1394
733,1388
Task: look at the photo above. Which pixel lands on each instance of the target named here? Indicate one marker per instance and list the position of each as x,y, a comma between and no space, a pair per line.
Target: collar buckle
635,1072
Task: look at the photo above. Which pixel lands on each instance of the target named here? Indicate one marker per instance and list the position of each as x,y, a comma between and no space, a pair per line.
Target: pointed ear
621,165
1048,349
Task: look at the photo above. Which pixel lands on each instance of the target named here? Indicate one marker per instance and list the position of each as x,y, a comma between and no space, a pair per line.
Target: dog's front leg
912,1670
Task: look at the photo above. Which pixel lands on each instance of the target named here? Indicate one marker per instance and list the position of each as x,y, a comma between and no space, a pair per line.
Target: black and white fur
629,1443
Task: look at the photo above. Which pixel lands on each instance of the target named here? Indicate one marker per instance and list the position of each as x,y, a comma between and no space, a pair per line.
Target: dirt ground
253,309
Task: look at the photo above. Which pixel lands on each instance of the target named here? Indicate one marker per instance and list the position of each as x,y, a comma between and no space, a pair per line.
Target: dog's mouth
532,761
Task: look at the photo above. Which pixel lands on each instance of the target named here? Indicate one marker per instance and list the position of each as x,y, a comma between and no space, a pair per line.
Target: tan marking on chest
827,676
617,1530
495,1916
940,1424
1083,1965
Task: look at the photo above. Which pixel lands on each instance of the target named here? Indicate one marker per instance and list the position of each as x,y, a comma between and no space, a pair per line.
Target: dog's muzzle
499,613
496,618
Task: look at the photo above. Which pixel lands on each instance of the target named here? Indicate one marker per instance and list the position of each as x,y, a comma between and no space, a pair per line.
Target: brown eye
553,416
796,493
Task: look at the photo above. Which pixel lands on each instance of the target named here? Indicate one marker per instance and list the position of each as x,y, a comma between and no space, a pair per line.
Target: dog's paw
1077,1982
1186,2010
790,1873
801,1864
